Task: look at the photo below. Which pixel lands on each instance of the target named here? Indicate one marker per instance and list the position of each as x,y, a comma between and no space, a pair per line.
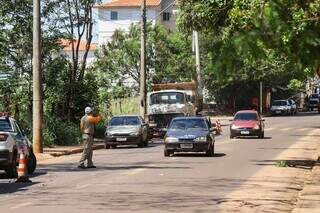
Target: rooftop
128,3
67,46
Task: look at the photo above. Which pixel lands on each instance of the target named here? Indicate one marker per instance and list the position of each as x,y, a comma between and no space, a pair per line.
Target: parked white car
280,107
13,142
293,106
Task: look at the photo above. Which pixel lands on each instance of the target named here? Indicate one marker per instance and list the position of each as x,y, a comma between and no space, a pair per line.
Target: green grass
282,163
125,106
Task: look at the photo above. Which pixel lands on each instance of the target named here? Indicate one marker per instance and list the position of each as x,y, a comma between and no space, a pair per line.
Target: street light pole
198,72
37,108
143,89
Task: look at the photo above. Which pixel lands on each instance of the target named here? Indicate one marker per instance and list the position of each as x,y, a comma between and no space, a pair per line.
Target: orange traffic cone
22,170
218,127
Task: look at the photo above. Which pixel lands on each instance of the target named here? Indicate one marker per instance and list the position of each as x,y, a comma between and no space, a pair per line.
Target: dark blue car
189,134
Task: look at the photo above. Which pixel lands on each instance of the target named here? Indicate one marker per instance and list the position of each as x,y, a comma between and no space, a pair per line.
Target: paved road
133,179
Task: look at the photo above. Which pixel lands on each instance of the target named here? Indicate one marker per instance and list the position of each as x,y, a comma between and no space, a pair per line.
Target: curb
48,154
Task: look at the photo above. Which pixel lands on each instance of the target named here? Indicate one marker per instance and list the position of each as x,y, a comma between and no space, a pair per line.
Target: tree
169,57
248,41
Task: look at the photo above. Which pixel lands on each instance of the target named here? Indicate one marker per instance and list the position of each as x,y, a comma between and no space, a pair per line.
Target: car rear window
5,125
279,103
246,116
121,121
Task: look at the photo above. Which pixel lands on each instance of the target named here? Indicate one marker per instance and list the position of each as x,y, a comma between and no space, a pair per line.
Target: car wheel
166,153
11,170
231,136
210,152
113,146
106,146
31,163
141,142
261,135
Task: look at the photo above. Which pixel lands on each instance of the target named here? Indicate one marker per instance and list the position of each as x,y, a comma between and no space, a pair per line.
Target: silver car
12,142
126,130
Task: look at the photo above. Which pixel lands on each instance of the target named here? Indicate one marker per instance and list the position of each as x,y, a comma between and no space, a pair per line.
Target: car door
212,135
21,139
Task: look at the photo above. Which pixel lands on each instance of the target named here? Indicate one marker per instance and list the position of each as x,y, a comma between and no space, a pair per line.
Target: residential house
121,14
67,50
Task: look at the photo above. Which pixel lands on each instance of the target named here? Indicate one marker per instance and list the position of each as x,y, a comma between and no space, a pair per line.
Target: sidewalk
58,151
309,197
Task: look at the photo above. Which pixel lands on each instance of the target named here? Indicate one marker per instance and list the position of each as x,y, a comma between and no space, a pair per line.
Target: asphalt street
130,179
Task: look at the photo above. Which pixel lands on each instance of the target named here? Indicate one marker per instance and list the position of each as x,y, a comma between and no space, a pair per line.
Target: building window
166,16
114,15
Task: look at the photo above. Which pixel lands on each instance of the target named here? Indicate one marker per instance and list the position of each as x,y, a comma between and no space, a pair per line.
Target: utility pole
198,71
261,98
37,109
143,81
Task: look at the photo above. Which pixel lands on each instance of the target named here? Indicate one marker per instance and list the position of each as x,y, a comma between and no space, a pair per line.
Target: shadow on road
12,187
302,135
301,164
265,138
217,155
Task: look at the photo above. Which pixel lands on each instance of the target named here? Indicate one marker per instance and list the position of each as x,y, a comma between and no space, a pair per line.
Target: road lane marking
269,129
82,186
22,205
286,129
135,171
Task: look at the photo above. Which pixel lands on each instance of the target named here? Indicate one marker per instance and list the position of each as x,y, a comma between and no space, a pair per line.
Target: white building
121,14
67,50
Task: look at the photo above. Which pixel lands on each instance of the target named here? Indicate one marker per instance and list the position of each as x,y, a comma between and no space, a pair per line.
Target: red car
247,123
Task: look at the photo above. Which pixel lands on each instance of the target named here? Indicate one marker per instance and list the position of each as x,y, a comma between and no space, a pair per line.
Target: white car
293,106
280,107
13,142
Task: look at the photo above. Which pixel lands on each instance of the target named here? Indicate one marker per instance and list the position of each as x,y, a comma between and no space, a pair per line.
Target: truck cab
164,105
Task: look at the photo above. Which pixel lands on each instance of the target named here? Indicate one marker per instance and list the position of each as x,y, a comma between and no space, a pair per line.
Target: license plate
278,112
121,139
186,146
245,132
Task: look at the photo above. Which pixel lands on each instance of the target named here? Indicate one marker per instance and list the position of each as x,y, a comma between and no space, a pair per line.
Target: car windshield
122,121
183,124
167,98
279,103
5,125
246,116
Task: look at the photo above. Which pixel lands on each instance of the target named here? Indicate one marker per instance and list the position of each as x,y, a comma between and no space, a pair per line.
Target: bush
59,132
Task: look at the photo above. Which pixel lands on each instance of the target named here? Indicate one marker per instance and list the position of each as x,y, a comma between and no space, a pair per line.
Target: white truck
168,101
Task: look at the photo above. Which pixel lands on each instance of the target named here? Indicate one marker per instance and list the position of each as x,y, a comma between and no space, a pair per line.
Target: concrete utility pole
198,70
37,109
143,75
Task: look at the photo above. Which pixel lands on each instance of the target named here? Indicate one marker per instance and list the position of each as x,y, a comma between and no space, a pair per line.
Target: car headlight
171,140
134,133
234,126
200,139
256,126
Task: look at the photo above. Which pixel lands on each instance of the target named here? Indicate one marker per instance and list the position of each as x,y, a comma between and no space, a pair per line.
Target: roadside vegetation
242,43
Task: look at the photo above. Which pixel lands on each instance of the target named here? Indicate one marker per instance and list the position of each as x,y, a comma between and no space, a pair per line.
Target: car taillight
3,137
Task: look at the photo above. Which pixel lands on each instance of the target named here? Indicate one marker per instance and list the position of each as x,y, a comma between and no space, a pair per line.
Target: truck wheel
31,163
11,170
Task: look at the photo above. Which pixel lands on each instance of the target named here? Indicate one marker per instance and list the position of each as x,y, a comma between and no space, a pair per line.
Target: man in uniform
87,128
